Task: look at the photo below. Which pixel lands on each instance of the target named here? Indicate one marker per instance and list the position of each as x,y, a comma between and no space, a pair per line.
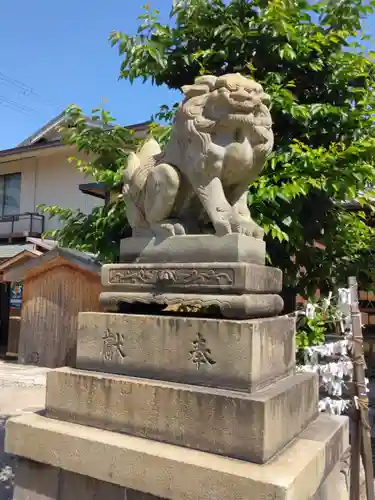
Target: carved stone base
196,278
238,355
238,289
231,306
251,427
194,248
37,481
296,473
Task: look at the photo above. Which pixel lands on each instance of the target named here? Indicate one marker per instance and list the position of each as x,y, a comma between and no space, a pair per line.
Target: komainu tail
139,165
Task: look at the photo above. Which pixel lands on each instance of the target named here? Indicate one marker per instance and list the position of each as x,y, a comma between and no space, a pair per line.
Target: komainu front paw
168,228
179,229
246,225
221,221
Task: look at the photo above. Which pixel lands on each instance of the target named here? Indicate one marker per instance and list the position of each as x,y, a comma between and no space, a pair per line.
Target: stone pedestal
238,355
204,271
169,471
195,408
183,408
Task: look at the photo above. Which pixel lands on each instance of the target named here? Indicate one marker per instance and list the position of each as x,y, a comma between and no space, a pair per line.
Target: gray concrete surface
22,390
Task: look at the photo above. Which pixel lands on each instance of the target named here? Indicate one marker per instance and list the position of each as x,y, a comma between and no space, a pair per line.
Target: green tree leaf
322,89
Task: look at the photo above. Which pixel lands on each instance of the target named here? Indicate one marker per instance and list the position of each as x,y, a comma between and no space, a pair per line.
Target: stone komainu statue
220,138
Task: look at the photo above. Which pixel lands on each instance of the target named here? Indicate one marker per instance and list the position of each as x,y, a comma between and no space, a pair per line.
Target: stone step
239,355
167,471
246,426
36,481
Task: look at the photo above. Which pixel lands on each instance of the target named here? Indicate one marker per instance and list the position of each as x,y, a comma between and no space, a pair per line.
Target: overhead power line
15,106
26,90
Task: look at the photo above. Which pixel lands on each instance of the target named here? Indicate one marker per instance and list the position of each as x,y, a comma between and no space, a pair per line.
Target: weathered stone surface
231,277
139,495
335,442
333,488
194,248
239,355
326,426
169,472
245,426
243,306
35,481
78,487
345,468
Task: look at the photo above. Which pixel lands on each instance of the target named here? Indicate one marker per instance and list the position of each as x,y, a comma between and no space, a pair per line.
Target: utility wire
25,90
15,106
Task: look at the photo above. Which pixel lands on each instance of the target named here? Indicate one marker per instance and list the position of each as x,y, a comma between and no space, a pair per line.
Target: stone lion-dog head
212,104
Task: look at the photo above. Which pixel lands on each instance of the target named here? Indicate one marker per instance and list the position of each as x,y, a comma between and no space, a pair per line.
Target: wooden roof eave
18,259
75,258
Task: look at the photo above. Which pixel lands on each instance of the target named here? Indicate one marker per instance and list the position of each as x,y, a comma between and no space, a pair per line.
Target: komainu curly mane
192,123
220,138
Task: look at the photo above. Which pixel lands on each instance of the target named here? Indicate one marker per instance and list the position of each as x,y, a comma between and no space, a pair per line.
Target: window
10,194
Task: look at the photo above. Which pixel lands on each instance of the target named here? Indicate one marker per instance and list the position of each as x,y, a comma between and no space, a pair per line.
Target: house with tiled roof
38,172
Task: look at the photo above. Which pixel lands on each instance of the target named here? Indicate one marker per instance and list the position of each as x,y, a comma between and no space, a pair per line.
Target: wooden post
361,432
4,313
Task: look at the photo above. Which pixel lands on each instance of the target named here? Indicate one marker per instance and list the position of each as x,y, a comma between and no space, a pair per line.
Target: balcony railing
21,225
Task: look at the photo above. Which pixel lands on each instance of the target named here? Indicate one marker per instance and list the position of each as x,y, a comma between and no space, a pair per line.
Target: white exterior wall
57,183
50,180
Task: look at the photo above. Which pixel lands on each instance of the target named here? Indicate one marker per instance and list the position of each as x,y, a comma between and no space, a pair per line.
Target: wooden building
56,287
10,301
10,309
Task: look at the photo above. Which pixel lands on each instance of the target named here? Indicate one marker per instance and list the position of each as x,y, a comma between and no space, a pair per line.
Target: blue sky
60,52
57,53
